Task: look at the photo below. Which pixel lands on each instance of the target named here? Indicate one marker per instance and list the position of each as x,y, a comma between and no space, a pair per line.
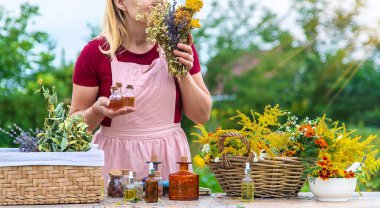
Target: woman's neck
137,37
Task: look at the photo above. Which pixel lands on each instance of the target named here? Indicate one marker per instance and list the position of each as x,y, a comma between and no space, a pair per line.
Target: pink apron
133,138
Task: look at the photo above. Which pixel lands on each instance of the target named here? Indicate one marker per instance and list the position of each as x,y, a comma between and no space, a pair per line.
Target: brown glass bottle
115,99
151,187
183,185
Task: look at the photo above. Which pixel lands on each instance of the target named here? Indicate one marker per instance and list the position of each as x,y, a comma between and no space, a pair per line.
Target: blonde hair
114,29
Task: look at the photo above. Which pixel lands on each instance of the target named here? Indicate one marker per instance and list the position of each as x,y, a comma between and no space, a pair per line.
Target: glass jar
115,184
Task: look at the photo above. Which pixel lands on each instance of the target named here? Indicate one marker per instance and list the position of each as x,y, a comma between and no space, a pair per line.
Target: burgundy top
93,68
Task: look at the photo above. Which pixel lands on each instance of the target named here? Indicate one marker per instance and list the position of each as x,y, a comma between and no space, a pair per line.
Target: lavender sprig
26,140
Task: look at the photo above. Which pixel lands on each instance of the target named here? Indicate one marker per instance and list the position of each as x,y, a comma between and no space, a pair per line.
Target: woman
131,135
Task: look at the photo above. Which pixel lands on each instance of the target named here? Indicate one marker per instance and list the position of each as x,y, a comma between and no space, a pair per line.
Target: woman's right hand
101,109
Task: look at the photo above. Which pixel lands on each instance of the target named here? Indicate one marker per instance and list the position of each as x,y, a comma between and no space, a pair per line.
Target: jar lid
129,86
124,171
116,173
118,84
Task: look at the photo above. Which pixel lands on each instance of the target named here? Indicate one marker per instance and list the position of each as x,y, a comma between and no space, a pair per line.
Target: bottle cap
113,88
130,174
115,173
129,87
183,159
154,158
124,171
118,84
151,169
157,173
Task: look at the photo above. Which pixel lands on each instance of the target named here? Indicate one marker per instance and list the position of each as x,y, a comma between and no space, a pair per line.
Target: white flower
206,148
217,159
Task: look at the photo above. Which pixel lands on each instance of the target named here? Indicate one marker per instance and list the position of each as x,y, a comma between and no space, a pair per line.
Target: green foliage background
250,64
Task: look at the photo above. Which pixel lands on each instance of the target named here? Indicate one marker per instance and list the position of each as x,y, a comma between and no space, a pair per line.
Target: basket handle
225,160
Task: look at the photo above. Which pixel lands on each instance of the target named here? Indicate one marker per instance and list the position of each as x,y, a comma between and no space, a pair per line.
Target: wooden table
304,200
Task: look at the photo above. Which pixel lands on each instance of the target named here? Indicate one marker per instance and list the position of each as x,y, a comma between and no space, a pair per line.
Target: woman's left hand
185,54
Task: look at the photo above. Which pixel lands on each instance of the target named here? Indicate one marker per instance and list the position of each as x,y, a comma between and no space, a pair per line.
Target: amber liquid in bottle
116,101
151,187
183,185
129,97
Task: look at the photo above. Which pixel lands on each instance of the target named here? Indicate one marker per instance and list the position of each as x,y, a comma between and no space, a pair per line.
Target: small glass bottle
154,160
139,189
119,87
157,176
184,185
115,185
115,99
129,97
130,191
151,186
247,185
125,173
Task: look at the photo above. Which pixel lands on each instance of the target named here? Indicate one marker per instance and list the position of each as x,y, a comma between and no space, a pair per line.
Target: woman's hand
101,109
185,54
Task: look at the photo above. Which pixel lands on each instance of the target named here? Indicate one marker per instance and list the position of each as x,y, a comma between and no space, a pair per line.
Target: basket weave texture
277,177
21,185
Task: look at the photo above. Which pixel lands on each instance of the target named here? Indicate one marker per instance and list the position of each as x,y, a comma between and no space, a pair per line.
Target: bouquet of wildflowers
327,148
169,25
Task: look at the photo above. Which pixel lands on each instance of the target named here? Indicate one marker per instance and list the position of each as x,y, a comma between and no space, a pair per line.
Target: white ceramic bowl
334,189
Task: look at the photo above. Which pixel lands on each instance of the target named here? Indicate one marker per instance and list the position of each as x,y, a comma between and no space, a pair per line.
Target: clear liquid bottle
130,191
247,185
139,189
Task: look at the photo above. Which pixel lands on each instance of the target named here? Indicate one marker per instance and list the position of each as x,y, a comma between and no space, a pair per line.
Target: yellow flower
198,160
207,158
194,5
182,15
40,81
195,23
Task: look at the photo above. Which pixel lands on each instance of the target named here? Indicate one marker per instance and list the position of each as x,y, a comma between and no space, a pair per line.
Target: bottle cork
154,158
125,171
183,159
119,85
115,173
129,86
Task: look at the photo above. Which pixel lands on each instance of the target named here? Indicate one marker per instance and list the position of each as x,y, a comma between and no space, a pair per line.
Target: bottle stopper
118,84
115,173
183,159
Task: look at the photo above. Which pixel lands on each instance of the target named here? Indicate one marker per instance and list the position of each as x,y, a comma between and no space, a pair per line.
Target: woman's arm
196,98
84,102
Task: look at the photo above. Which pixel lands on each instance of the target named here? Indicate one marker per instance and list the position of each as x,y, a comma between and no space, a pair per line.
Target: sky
66,20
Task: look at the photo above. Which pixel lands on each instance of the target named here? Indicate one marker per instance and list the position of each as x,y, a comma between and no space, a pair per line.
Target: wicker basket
273,178
50,184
